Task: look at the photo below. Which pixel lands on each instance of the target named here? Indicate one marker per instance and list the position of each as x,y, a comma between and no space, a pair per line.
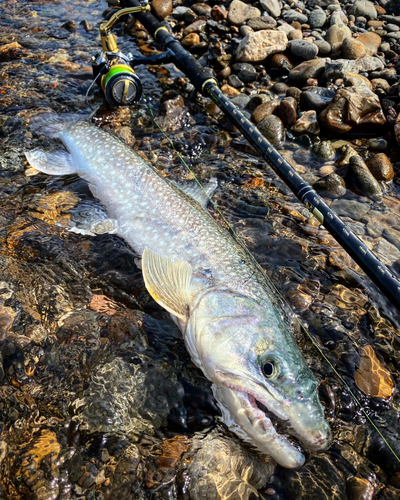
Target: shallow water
98,395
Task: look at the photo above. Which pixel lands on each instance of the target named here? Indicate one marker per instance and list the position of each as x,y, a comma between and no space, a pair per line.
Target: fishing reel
112,70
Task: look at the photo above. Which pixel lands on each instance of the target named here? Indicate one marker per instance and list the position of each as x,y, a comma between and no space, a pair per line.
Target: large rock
365,181
352,106
255,47
239,12
337,33
353,49
363,8
371,41
272,7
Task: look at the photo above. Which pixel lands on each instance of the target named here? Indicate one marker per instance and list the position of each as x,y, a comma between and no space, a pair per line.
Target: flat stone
261,23
352,106
272,7
255,47
239,12
364,8
381,167
303,49
337,33
351,208
308,69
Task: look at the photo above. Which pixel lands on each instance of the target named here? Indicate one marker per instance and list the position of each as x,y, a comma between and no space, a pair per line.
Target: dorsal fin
201,194
167,282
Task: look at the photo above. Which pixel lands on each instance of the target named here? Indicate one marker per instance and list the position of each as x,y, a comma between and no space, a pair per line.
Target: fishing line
271,284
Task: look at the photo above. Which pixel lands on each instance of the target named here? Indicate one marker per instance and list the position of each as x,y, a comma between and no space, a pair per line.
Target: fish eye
270,368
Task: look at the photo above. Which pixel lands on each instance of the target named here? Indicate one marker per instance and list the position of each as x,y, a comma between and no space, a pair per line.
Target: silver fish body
233,327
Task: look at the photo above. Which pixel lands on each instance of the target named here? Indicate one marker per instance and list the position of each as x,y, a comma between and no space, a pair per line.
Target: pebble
364,8
246,72
190,40
317,18
202,9
272,7
256,47
263,110
365,181
218,13
257,100
331,186
324,150
353,48
280,61
161,8
317,98
338,17
303,49
307,124
235,82
295,35
371,40
261,23
324,47
308,69
292,15
337,33
287,111
279,88
239,12
273,130
381,167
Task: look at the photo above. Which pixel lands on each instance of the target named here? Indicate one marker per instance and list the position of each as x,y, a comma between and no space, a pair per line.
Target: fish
232,324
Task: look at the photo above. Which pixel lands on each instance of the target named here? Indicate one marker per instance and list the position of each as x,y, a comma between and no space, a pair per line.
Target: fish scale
232,324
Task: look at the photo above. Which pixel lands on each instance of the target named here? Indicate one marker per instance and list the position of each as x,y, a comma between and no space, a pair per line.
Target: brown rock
380,84
264,110
372,377
228,90
273,130
381,167
190,40
239,12
161,8
352,48
307,123
295,35
307,69
356,80
352,106
359,488
280,61
224,73
218,13
287,111
374,23
371,40
365,181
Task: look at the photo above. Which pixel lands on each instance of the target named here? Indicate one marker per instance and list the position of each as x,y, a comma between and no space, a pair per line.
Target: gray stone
317,98
273,130
308,69
317,18
338,17
292,15
331,186
366,182
351,208
272,7
245,71
387,252
364,8
255,47
261,23
392,27
239,12
235,82
339,68
368,63
324,150
303,49
324,47
241,100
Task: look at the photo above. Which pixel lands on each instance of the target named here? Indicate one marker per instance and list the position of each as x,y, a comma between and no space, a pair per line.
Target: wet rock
279,88
317,18
213,458
381,167
235,82
366,182
364,8
280,61
224,73
308,69
315,476
380,86
387,252
303,49
397,129
294,92
353,48
351,208
358,488
196,27
246,72
317,98
239,12
255,47
272,7
338,68
337,33
372,377
331,186
161,8
190,40
202,9
264,110
257,100
324,150
273,130
287,111
307,124
351,107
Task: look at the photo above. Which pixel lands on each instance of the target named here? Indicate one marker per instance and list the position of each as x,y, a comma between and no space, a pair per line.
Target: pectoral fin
56,163
167,282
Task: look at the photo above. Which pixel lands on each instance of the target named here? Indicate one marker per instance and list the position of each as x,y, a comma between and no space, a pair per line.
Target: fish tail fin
51,124
56,163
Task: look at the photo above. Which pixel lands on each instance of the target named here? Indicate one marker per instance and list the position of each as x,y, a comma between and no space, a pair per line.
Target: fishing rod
122,87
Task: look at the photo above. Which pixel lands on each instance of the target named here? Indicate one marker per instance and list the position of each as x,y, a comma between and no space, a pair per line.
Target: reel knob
121,86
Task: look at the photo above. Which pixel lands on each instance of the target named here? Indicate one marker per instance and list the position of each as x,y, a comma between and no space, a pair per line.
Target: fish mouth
265,423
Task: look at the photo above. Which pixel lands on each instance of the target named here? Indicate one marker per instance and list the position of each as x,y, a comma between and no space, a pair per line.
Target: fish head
261,381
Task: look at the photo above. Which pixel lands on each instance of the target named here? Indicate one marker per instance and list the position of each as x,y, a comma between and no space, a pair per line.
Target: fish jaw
239,401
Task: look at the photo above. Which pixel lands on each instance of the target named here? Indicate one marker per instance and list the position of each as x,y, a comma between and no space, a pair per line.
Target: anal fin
167,282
